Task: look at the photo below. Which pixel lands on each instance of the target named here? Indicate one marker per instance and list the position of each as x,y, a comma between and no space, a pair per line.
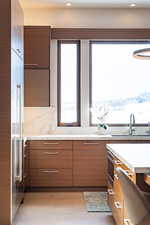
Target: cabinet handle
86,143
49,171
51,143
117,205
25,176
51,153
110,192
127,222
31,64
116,176
117,162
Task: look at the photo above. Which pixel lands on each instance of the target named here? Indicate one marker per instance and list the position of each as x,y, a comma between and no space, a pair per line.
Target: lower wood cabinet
51,177
67,163
50,159
89,164
115,194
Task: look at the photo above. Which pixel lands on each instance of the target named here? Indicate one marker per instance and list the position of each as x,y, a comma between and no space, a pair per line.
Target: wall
39,120
96,18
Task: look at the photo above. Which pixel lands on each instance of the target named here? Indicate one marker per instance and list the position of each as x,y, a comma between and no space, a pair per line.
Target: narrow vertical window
68,83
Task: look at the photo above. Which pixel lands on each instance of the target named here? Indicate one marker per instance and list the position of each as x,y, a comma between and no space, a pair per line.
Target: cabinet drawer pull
25,176
117,205
95,143
127,222
31,64
49,171
110,192
51,153
117,162
116,176
49,143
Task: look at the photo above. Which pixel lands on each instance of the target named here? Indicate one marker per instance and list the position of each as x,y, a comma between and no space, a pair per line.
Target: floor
59,208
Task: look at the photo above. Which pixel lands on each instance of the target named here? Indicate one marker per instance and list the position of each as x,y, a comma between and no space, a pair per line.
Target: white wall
96,18
43,120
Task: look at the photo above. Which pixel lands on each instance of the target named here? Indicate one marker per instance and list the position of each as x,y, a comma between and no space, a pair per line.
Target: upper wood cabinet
37,46
37,91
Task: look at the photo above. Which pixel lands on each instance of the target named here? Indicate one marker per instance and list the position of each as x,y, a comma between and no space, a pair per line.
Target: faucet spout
132,122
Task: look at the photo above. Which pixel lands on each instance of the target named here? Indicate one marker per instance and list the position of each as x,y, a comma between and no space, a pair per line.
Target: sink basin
133,135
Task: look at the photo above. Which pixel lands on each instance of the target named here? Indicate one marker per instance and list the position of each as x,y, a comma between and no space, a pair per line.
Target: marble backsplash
43,121
38,121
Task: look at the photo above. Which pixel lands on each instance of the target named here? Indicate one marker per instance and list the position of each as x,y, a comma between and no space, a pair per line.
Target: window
68,83
120,84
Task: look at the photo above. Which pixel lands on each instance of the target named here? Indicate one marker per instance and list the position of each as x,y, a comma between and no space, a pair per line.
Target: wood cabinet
37,88
115,194
37,47
67,163
89,164
37,66
147,179
11,83
50,163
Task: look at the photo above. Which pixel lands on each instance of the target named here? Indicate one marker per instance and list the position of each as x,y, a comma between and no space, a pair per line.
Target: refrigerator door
17,138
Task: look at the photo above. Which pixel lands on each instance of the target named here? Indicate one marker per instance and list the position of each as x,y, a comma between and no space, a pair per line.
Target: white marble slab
86,137
134,156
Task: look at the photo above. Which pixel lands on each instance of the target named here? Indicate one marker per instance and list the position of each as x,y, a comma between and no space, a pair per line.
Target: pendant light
142,54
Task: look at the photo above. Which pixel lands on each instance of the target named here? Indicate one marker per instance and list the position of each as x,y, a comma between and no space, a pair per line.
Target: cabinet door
37,91
89,164
37,47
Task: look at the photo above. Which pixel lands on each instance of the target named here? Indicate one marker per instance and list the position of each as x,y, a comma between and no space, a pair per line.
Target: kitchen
56,139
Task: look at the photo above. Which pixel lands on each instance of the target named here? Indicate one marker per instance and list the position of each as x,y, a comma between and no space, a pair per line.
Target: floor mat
96,202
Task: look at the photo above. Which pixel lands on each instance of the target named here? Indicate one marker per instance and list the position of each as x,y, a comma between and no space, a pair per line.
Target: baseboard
64,189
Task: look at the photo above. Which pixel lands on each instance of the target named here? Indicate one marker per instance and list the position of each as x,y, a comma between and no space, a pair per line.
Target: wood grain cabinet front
50,163
51,177
37,47
89,164
37,88
46,144
52,158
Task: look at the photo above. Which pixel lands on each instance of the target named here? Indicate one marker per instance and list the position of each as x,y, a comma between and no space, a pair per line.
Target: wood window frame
90,81
78,97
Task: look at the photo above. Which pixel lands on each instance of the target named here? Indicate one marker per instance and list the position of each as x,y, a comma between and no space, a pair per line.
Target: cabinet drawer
88,145
51,159
90,165
67,145
51,177
147,179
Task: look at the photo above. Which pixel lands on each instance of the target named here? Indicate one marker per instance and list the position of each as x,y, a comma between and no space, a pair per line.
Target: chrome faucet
132,122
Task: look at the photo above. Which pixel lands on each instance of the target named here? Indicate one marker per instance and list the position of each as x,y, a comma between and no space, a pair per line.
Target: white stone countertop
134,156
87,137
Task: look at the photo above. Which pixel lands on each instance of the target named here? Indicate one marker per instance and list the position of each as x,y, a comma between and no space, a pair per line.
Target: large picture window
68,83
119,82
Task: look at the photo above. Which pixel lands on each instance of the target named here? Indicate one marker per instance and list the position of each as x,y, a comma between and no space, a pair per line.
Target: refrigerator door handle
20,152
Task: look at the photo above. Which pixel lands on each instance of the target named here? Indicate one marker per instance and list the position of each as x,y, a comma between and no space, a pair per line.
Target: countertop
87,137
134,156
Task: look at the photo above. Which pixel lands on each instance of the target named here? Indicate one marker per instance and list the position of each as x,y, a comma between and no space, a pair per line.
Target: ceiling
84,3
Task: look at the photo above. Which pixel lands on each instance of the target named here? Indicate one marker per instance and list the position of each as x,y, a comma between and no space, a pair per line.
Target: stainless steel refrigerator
17,133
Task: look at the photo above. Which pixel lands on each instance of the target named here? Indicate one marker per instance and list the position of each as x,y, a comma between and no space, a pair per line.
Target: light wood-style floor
59,208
